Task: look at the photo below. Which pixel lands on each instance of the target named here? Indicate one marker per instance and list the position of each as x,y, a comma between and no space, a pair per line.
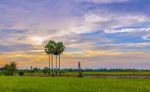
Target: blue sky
99,33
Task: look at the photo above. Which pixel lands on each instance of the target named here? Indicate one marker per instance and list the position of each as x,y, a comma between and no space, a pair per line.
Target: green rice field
66,84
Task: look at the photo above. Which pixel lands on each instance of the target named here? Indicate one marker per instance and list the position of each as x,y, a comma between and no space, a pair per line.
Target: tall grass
45,84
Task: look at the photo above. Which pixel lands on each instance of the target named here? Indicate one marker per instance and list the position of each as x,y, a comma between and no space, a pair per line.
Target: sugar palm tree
60,49
50,49
47,51
56,54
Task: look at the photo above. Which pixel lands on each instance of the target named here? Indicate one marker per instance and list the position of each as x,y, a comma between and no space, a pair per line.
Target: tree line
11,70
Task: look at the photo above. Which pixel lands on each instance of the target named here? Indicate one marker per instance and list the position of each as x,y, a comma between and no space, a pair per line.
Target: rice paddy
67,84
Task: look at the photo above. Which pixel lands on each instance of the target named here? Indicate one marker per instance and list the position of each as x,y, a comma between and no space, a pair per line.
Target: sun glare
37,40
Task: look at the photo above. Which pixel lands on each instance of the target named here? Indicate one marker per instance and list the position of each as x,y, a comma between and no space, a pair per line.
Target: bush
21,73
46,70
10,69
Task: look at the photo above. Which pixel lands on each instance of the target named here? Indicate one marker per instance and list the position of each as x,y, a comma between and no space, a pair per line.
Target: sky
97,33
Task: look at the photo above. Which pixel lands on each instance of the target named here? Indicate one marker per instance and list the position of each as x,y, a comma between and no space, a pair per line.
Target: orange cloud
70,59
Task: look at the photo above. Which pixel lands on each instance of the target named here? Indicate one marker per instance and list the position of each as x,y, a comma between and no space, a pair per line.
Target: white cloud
44,24
94,18
123,45
146,37
107,1
104,19
127,30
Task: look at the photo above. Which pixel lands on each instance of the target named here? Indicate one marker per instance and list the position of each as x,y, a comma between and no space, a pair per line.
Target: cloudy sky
97,33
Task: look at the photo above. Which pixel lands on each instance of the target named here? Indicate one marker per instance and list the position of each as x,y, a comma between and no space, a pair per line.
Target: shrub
21,73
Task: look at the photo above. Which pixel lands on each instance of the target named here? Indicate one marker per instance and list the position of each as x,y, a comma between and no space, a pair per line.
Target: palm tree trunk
56,65
52,65
49,65
59,65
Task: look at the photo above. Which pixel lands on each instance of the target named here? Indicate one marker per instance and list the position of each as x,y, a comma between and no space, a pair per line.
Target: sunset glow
98,33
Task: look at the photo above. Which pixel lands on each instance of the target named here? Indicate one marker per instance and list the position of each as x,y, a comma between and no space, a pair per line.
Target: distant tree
35,69
50,50
54,48
60,49
21,72
56,54
13,66
46,70
10,69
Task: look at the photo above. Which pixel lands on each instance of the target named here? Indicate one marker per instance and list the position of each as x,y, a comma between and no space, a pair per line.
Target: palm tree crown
60,47
50,47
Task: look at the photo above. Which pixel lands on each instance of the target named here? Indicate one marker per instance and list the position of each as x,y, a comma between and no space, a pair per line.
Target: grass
113,73
135,74
45,84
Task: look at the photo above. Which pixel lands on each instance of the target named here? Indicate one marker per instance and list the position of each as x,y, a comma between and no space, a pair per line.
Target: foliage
46,70
21,72
36,70
10,69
